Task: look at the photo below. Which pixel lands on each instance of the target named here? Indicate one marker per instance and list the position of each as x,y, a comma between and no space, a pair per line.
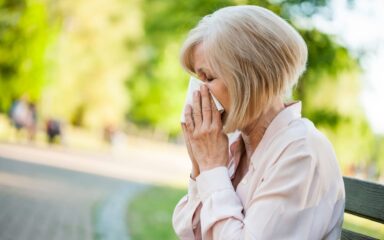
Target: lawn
150,216
150,213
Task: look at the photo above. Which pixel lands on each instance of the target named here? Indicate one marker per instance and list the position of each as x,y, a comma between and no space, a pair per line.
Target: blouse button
244,181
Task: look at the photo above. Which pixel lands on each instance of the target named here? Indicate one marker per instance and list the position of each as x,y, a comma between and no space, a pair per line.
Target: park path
49,194
46,203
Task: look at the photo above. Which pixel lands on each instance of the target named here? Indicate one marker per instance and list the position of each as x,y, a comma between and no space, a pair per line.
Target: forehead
199,60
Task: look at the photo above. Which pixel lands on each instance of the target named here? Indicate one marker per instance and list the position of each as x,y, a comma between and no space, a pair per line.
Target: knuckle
204,130
209,130
189,125
214,127
195,136
206,109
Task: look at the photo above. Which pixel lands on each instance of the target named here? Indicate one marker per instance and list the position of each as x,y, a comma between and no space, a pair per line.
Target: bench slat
349,235
364,199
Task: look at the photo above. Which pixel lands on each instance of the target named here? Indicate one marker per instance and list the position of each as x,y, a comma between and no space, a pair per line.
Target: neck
254,132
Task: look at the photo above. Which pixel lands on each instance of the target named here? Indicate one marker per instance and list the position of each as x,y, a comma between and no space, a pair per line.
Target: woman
277,176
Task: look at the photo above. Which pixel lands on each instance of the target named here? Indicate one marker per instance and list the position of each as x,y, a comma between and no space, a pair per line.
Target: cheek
220,91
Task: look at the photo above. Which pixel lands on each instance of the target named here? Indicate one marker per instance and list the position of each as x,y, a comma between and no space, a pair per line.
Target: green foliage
93,62
25,35
378,155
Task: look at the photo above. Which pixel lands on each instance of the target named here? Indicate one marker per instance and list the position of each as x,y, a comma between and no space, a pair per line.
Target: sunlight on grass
364,226
150,213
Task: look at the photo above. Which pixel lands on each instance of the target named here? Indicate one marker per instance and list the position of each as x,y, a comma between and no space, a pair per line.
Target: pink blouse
293,189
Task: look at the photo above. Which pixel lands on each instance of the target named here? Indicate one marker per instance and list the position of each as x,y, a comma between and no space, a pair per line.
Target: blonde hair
259,56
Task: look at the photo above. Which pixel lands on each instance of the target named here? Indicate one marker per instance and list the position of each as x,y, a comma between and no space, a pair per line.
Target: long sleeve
186,215
285,205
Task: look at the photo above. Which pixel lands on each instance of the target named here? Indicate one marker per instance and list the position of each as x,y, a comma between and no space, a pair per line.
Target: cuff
214,180
192,189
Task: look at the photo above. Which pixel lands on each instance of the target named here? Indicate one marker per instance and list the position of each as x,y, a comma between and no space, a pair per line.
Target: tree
25,35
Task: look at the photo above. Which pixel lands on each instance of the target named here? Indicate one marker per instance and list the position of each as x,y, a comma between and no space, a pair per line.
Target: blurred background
91,93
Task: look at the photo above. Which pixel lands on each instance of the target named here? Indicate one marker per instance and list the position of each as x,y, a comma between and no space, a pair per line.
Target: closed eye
210,78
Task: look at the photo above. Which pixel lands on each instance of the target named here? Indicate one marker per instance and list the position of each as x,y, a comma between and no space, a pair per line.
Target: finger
206,105
216,115
185,134
188,142
190,126
184,129
196,111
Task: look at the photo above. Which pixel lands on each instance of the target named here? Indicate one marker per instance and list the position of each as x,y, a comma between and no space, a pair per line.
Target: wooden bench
363,199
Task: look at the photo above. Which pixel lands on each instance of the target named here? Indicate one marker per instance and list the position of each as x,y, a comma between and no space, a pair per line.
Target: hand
195,167
204,129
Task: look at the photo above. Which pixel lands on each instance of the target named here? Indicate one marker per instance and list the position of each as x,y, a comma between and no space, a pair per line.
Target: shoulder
300,143
300,151
304,146
302,132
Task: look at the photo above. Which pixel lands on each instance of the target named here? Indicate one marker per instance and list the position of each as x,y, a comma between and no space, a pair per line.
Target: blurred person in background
23,115
53,130
259,170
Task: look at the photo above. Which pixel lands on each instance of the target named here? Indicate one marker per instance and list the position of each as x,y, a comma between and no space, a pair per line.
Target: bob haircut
259,56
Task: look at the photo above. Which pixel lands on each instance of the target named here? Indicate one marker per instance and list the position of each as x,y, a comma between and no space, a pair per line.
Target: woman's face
214,83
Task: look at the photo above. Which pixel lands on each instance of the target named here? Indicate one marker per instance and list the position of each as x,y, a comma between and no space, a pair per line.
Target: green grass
364,226
150,216
150,213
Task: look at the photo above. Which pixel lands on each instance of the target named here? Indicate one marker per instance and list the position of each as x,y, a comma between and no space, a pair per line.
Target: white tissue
194,85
